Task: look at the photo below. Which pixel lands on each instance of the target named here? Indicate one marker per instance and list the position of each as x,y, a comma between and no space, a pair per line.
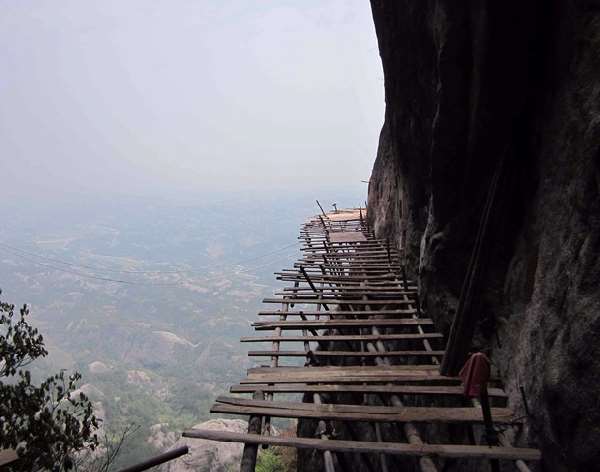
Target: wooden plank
349,251
406,378
316,260
449,390
346,295
346,236
344,370
396,287
337,301
342,337
370,268
387,278
402,377
371,279
362,266
385,414
403,449
360,256
347,377
341,285
356,290
344,215
369,243
354,251
346,353
350,258
329,324
443,413
291,275
409,311
344,281
7,456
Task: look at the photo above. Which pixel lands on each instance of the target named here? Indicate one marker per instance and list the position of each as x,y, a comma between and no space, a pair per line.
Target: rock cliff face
479,89
205,456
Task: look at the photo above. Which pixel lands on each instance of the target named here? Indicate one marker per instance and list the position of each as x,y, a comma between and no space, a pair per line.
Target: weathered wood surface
369,291
439,450
7,456
352,251
386,277
368,267
337,301
342,337
319,276
345,295
329,324
385,414
345,370
313,377
345,353
356,277
346,236
408,311
350,258
442,390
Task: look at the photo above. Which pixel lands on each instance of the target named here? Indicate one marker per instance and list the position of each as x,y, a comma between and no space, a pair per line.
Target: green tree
47,424
269,461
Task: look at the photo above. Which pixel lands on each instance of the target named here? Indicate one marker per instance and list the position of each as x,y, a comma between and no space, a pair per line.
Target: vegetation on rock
49,423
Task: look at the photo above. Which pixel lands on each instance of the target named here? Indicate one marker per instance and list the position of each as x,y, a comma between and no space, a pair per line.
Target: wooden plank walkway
362,331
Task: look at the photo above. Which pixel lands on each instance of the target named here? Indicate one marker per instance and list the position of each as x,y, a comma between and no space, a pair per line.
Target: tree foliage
269,461
49,423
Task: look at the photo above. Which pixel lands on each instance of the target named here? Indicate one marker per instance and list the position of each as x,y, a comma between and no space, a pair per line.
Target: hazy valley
147,300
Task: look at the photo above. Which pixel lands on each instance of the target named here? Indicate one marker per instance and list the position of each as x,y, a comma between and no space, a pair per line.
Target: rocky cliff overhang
467,85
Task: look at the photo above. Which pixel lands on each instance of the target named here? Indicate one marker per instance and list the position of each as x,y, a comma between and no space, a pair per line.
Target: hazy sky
159,97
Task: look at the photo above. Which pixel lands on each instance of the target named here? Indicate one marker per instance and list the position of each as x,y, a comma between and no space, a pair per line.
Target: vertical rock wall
467,85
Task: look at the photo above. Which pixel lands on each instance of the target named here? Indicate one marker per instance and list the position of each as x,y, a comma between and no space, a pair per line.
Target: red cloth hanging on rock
475,374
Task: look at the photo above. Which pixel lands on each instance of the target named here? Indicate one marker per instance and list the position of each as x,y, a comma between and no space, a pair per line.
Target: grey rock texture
468,84
209,456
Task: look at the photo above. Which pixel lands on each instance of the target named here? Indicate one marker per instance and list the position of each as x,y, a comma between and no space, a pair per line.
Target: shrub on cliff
47,424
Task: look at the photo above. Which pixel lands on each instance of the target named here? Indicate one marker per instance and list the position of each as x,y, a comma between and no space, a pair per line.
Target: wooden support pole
248,462
324,214
504,442
519,463
387,246
490,433
322,433
466,316
312,286
157,460
410,430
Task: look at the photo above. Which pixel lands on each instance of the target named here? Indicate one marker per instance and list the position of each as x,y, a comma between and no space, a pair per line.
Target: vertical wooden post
324,214
324,228
467,316
490,433
251,450
322,433
387,246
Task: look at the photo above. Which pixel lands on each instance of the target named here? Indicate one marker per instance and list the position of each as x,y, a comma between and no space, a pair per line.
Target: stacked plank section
370,359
